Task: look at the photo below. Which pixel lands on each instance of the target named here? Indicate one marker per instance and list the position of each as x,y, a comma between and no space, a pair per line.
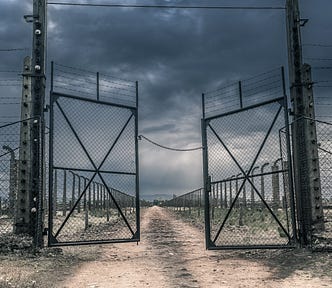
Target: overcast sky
175,55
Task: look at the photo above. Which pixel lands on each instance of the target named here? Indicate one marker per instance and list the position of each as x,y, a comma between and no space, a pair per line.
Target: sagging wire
140,137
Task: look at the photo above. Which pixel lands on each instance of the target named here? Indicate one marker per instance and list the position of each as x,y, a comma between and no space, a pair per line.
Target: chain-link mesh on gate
93,171
248,196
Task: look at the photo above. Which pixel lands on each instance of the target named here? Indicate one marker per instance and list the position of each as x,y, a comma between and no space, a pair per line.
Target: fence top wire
240,94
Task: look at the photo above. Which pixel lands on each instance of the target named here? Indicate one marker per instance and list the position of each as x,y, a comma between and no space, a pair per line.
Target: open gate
93,171
249,200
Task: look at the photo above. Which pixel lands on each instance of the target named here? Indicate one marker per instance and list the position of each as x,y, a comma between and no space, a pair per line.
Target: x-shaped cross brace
96,172
246,177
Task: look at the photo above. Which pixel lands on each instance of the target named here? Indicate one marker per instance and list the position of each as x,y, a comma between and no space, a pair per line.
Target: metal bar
138,226
55,192
92,170
52,76
50,172
98,86
289,157
207,185
246,247
203,105
94,101
240,94
64,194
76,243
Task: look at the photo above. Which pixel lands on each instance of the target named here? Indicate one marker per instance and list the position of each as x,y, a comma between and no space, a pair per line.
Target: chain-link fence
189,205
17,216
323,240
9,157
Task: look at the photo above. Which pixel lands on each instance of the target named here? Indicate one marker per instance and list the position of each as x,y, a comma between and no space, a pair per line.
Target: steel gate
93,171
249,200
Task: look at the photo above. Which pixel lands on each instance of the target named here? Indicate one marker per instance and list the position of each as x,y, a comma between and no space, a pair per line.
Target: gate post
306,162
22,223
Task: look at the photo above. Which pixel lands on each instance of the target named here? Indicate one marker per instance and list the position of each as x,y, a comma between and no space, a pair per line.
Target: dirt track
172,254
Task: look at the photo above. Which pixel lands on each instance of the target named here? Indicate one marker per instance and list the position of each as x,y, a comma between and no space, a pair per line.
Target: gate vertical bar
289,158
137,167
64,195
98,86
240,94
55,192
207,186
50,169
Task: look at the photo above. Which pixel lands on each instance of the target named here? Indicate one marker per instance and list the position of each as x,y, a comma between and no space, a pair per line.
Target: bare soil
171,254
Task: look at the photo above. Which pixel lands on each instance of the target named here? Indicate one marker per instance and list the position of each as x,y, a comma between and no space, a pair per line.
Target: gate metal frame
52,238
205,125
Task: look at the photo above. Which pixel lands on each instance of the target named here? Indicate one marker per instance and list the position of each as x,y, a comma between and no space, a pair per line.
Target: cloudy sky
175,55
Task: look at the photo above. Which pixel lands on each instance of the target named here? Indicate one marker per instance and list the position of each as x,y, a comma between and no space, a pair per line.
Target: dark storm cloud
14,33
175,55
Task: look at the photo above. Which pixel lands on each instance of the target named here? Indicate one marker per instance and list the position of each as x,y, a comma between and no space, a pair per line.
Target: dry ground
170,254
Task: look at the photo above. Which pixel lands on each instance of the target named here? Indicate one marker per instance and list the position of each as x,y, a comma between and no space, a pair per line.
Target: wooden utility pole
30,201
304,138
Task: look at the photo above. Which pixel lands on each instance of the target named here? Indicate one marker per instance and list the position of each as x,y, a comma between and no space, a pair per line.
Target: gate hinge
45,232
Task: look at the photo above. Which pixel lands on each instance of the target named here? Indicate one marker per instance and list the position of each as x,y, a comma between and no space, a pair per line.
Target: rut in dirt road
169,243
